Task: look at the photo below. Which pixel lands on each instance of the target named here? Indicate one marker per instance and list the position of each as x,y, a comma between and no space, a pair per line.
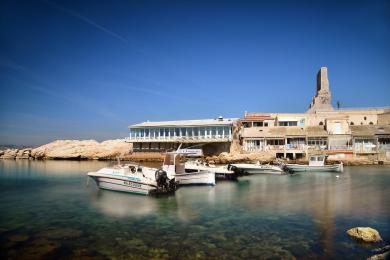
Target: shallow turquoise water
47,211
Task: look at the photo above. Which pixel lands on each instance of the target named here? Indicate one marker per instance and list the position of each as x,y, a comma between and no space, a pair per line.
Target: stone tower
322,101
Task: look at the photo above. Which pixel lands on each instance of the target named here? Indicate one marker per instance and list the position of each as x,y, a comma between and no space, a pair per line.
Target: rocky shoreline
71,150
112,149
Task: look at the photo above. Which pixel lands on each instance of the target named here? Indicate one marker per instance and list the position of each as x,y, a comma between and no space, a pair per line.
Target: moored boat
248,168
133,178
316,164
221,172
174,166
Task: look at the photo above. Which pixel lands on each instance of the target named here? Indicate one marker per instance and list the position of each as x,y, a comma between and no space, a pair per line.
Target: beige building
320,128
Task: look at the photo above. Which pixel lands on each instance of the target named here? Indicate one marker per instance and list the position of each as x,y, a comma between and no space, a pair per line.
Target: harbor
194,130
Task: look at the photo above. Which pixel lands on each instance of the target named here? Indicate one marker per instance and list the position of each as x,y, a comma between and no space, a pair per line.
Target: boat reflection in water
120,205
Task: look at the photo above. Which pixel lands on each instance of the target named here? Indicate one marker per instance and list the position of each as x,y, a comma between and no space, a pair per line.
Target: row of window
255,124
288,123
215,131
310,141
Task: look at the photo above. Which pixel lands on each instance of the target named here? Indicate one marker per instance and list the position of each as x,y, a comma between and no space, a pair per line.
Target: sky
88,69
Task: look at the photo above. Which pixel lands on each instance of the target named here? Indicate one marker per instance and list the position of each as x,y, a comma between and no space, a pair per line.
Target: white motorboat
248,168
221,172
133,178
316,164
174,166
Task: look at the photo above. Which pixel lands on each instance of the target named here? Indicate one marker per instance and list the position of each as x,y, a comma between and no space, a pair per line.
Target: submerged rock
379,256
365,234
382,253
61,233
18,238
37,249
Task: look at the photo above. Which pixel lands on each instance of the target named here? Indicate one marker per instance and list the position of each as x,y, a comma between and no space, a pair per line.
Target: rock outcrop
9,153
242,157
365,234
72,149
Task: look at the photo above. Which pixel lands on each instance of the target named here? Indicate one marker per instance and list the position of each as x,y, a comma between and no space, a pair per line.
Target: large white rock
9,153
85,149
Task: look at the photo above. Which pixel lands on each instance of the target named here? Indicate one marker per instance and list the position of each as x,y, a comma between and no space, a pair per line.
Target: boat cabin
317,160
173,164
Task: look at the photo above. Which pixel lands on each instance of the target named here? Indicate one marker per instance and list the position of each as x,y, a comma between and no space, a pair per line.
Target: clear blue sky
88,69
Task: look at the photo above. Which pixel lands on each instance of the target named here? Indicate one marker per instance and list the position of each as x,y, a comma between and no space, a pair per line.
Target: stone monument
322,101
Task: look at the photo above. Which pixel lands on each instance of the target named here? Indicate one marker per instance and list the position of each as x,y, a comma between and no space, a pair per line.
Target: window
352,123
245,124
196,131
257,123
172,132
202,131
177,132
321,123
288,123
213,131
183,132
147,133
337,128
365,118
189,131
317,141
371,123
275,142
266,124
161,132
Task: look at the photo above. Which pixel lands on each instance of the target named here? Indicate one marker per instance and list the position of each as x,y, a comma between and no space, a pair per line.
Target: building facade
211,135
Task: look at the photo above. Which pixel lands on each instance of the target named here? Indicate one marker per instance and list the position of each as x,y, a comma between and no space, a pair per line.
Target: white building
214,134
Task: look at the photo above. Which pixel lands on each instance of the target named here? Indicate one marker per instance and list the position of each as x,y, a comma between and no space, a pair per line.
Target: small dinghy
221,172
316,164
133,178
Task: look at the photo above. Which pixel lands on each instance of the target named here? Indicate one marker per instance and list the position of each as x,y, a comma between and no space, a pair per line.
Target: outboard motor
164,185
161,178
235,170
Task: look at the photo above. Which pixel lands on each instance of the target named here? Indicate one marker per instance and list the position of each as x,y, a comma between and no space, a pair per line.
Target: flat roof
370,130
186,123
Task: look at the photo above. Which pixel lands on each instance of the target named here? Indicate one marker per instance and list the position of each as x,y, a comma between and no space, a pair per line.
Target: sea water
47,210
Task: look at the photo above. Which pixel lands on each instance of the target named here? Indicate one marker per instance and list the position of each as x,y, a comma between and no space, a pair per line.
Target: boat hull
220,173
225,176
307,168
195,178
257,169
123,184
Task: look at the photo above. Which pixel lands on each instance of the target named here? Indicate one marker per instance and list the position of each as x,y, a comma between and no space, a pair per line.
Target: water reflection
47,168
121,205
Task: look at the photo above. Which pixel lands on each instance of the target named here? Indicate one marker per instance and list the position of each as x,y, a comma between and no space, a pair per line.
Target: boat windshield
169,159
